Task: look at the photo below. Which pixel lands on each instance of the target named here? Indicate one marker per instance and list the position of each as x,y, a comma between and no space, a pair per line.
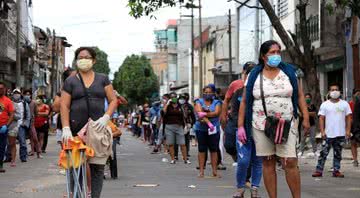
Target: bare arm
216,113
348,125
322,125
302,105
224,111
110,95
11,118
241,119
56,104
65,108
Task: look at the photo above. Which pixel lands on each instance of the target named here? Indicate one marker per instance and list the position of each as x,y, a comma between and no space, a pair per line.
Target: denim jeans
337,144
246,153
3,139
22,143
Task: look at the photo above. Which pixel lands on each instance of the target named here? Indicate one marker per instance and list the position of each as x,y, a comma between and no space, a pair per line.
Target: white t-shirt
277,94
335,117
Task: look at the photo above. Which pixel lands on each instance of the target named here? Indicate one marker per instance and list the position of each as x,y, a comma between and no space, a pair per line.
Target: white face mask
182,101
335,94
84,64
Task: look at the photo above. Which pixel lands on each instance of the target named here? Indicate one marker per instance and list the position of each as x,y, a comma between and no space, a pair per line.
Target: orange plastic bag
74,145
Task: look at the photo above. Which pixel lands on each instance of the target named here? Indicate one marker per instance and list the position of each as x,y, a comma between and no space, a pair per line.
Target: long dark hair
66,73
264,49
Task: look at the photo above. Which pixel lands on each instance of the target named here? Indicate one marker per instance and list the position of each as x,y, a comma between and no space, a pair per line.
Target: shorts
13,132
230,137
174,134
58,135
206,141
265,147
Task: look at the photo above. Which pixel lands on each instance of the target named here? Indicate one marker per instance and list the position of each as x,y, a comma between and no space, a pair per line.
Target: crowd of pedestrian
264,120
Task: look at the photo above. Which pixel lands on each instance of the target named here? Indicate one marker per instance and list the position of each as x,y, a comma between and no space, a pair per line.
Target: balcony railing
7,44
312,29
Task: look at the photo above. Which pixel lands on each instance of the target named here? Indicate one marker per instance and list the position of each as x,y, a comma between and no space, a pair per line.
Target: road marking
146,185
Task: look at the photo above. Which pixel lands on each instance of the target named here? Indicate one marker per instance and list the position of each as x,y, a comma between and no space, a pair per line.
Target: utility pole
257,18
53,64
18,43
230,48
192,53
200,51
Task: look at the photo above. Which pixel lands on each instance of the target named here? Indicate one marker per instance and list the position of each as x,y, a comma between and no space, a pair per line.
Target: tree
136,80
102,63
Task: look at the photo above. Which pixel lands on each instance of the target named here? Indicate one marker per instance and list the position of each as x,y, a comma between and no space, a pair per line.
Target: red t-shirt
41,120
235,85
6,107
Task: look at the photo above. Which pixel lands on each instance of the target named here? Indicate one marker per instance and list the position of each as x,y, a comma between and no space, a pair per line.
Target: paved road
40,178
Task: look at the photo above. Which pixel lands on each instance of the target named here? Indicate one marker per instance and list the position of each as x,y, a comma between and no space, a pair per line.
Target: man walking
335,124
6,117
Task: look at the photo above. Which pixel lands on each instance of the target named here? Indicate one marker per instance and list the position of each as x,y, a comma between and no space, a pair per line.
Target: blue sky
106,24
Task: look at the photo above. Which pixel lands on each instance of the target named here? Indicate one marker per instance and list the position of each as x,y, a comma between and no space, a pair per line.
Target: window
282,8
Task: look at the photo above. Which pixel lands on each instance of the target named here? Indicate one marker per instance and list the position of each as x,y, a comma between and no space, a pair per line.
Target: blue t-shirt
215,120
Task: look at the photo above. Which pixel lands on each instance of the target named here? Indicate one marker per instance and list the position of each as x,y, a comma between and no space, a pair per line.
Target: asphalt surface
40,178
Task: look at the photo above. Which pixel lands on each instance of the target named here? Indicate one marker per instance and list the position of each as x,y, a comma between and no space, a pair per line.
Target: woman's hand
306,126
201,115
241,134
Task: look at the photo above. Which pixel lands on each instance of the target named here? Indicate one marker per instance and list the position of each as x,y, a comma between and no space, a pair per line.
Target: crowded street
179,98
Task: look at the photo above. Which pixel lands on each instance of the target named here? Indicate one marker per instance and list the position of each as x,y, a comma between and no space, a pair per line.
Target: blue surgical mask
274,60
208,96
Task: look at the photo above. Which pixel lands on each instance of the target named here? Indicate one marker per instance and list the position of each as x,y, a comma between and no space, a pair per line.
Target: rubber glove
66,134
102,122
201,114
3,129
211,126
241,134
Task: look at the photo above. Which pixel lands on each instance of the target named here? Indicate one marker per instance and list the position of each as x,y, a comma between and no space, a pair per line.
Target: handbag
276,128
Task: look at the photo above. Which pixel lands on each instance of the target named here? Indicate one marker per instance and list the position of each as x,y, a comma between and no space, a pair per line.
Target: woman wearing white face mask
83,97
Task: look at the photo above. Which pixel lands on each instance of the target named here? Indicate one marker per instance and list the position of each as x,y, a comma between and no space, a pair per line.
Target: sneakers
187,162
300,154
13,164
317,174
355,163
239,193
338,174
172,162
221,167
254,192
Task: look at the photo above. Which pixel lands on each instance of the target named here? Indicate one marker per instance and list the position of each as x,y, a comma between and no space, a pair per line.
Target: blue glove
3,129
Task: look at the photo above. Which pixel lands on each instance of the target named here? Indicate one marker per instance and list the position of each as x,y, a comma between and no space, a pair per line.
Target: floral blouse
277,93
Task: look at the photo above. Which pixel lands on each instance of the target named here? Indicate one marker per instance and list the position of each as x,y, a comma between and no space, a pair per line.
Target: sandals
239,194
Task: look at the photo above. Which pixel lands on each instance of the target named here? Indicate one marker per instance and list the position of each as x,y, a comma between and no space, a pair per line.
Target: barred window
282,8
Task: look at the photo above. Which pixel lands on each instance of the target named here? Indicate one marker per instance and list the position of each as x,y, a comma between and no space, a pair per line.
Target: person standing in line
273,91
17,129
34,141
41,120
145,123
189,117
355,129
335,125
154,117
174,127
207,129
6,118
83,97
312,132
49,120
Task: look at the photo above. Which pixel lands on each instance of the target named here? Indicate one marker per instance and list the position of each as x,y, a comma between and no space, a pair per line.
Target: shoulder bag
276,128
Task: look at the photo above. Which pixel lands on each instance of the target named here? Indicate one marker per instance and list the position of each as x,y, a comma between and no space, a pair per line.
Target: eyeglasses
79,58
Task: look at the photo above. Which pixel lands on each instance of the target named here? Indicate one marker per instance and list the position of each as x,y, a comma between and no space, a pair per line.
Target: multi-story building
8,19
324,29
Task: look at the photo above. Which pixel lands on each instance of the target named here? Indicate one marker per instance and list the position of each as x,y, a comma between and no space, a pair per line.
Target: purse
276,128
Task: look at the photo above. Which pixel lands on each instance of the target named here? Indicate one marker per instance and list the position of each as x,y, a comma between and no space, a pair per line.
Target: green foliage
354,5
102,63
139,8
131,82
